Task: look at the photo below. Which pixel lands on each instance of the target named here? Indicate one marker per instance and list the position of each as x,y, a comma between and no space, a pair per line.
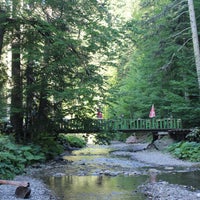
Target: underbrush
190,149
186,150
14,158
49,144
72,141
104,138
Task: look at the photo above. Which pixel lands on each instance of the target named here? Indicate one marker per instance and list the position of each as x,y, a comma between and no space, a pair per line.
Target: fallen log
16,183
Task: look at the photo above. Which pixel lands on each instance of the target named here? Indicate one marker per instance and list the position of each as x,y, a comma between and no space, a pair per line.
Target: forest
68,58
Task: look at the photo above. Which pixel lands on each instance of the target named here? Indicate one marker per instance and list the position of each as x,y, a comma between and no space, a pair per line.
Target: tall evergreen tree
195,38
16,93
57,61
158,71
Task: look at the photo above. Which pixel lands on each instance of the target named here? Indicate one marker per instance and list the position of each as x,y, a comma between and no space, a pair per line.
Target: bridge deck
122,125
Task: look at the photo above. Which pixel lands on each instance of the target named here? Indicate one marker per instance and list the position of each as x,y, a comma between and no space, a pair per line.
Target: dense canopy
69,58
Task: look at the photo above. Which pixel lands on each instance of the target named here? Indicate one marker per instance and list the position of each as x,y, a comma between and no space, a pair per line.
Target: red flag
152,112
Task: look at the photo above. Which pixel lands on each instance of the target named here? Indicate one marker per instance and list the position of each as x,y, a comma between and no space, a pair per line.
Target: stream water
104,177
96,187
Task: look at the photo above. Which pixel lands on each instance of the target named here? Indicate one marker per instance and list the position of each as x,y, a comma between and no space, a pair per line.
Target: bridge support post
155,137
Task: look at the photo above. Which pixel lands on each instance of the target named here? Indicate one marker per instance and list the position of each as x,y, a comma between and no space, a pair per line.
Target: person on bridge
152,113
99,114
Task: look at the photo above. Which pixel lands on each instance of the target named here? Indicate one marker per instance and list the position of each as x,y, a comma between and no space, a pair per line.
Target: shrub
49,145
104,138
72,141
194,135
14,158
186,150
120,136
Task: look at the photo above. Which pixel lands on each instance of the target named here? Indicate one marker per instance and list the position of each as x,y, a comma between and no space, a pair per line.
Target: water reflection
106,187
97,187
190,179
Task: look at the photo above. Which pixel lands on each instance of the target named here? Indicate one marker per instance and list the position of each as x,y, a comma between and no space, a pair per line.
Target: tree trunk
30,106
195,38
16,94
43,121
2,28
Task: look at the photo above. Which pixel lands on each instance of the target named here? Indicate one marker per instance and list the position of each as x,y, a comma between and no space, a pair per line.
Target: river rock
198,195
131,140
162,143
59,174
111,173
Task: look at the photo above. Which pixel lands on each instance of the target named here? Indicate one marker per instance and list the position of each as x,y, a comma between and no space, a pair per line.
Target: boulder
131,140
163,143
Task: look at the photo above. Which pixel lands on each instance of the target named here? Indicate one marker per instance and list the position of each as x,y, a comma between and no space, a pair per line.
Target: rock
109,173
163,143
38,190
131,140
169,168
198,195
153,175
59,174
22,192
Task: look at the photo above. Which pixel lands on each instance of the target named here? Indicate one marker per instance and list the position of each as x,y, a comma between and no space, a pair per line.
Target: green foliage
62,57
194,135
186,151
157,71
49,145
104,138
72,141
14,158
120,136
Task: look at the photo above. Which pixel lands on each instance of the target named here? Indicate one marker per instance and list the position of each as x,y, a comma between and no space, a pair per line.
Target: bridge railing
168,123
97,125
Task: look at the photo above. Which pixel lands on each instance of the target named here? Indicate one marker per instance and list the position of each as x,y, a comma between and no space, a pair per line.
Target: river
96,173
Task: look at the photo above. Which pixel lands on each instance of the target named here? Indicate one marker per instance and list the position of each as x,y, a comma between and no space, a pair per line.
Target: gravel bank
141,153
160,190
161,159
39,191
166,191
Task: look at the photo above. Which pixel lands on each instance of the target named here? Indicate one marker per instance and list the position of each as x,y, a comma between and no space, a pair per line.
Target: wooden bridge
121,125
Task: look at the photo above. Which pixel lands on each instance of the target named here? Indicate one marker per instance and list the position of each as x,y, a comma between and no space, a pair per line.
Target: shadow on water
96,187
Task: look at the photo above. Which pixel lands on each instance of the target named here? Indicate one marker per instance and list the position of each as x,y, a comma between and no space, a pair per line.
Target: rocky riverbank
160,190
137,152
39,191
166,191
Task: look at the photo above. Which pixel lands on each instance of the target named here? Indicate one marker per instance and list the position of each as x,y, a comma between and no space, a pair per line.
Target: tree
57,62
16,93
157,70
195,38
2,26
